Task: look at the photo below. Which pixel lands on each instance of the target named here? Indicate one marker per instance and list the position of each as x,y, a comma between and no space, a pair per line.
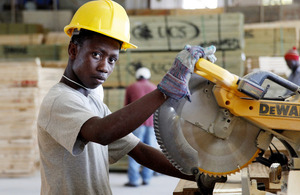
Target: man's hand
206,183
175,83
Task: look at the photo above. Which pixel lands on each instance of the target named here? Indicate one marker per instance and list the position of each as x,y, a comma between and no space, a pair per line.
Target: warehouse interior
249,36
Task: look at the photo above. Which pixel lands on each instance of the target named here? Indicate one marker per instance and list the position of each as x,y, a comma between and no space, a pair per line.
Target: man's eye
96,55
113,60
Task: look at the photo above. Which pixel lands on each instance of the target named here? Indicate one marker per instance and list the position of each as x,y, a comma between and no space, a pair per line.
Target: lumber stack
160,38
269,41
272,39
18,108
172,33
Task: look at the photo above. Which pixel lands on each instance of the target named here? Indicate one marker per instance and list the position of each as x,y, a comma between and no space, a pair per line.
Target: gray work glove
175,83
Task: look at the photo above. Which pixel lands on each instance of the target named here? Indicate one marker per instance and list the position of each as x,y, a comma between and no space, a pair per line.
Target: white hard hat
143,73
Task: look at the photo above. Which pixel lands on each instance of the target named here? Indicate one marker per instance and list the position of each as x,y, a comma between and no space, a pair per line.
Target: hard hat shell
105,17
143,72
292,54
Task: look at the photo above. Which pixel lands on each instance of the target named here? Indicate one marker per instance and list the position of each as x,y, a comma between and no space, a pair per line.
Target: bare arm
155,160
122,122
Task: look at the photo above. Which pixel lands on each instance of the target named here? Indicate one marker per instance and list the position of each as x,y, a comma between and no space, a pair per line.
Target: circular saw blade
183,131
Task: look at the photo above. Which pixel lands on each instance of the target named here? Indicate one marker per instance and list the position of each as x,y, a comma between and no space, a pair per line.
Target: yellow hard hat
105,17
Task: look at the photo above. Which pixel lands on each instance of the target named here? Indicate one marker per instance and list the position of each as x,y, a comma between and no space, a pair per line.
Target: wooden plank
22,39
185,187
3,28
182,12
165,12
54,63
44,52
16,28
19,73
293,182
59,38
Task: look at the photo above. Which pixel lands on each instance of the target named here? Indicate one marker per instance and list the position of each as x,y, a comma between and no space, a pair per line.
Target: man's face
292,64
95,60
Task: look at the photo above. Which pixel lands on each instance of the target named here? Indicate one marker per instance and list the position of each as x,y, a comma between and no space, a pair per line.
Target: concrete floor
160,185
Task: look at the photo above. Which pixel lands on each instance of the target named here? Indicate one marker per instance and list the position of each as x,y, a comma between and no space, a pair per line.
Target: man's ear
72,50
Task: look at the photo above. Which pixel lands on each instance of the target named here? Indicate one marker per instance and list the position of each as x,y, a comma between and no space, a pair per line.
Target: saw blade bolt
195,171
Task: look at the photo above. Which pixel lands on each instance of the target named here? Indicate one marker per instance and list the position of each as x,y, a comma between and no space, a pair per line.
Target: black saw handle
256,80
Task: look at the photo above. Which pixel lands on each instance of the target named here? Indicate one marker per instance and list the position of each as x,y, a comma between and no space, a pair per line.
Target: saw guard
182,131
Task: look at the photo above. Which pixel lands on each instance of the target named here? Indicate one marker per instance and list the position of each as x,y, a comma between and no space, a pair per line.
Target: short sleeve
121,147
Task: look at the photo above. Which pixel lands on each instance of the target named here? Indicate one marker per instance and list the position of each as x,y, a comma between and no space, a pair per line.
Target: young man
292,60
78,136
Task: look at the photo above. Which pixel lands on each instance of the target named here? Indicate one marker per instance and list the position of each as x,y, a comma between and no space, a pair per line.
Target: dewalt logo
279,110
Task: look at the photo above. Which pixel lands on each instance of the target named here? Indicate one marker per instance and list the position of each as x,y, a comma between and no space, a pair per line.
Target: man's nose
103,66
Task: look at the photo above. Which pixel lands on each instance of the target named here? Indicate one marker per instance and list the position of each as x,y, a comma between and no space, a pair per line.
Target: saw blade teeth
160,142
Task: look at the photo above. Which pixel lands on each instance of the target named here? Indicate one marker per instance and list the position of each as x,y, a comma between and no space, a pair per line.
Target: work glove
207,183
175,83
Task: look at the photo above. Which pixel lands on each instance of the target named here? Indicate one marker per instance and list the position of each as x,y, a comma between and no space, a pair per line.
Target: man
145,132
78,136
292,61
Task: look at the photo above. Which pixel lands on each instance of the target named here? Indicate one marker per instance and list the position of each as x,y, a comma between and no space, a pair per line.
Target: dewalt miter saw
229,121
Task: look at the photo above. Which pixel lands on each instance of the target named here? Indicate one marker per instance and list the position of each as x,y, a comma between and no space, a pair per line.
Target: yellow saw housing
224,128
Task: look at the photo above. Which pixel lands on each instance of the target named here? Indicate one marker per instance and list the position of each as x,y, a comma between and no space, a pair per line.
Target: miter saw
229,122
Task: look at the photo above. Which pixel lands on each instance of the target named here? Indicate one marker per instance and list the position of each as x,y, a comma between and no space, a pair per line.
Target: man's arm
122,122
154,159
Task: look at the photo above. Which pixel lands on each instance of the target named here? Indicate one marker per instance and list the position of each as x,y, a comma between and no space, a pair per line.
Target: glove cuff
174,87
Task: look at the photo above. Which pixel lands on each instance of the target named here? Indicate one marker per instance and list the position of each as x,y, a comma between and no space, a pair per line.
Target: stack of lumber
18,108
23,41
160,38
258,13
271,39
172,33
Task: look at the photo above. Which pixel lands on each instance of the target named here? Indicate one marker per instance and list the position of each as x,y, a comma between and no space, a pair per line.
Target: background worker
78,136
145,132
292,61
